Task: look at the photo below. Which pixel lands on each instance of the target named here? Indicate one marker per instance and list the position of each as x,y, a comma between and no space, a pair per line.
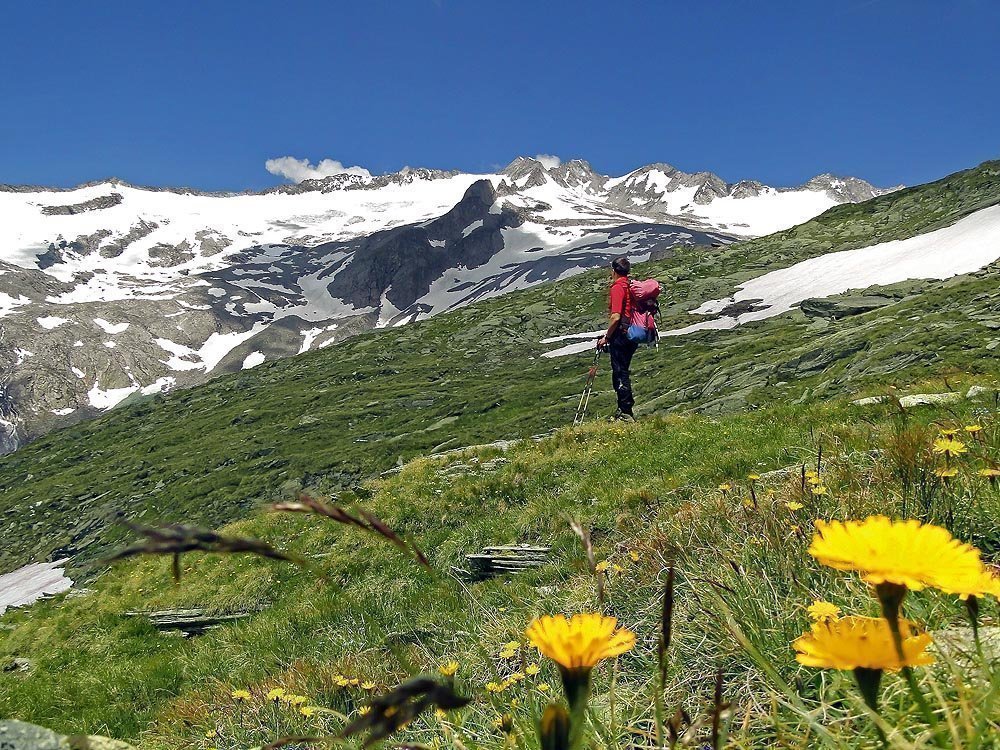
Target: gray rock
94,204
929,399
18,665
978,392
842,307
869,401
19,735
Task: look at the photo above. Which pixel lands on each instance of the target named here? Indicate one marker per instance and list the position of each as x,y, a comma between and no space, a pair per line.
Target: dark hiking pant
621,351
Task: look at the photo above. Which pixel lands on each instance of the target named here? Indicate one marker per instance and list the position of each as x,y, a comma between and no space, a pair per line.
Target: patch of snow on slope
568,336
253,359
50,322
181,359
31,583
472,227
161,385
107,399
8,303
220,344
112,328
63,412
308,339
22,354
577,348
964,247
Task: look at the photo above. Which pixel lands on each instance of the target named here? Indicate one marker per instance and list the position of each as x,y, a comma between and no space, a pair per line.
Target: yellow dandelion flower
945,472
861,643
794,506
810,473
973,429
354,682
948,432
308,710
440,713
616,568
602,566
365,710
813,480
823,611
341,681
512,645
494,687
633,555
449,669
368,685
532,669
905,553
515,677
211,734
580,642
508,653
725,487
241,696
753,477
543,687
819,490
294,700
949,447
989,473
276,694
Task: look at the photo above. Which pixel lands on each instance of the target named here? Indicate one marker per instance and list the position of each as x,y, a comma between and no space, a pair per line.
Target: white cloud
298,170
548,161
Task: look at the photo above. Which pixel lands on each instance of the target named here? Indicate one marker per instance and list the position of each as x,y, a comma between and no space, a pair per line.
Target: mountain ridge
355,181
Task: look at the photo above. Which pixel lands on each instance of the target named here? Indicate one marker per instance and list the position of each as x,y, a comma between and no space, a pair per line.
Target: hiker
617,343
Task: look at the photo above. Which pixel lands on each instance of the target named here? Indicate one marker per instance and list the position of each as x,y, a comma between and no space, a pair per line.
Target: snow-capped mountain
108,291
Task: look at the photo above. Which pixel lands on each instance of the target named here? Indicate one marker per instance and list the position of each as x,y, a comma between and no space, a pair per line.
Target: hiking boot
622,416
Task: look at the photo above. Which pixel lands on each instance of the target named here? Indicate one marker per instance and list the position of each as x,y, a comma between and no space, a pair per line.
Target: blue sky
202,93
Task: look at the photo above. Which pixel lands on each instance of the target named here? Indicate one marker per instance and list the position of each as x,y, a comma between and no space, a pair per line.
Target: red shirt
620,299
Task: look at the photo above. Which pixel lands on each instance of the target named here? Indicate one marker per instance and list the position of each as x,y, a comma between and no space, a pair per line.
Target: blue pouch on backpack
637,333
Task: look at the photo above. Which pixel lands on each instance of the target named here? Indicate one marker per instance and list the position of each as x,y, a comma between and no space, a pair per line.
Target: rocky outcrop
94,204
19,735
842,307
403,263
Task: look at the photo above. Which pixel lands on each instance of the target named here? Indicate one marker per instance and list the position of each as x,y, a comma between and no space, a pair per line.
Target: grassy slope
326,419
378,617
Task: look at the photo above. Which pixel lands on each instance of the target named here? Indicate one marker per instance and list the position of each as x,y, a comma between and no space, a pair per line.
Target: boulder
929,399
19,735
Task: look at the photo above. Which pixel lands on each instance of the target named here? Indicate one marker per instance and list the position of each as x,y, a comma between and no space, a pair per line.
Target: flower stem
576,684
890,596
868,682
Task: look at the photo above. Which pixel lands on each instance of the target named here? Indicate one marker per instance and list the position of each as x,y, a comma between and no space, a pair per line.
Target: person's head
621,266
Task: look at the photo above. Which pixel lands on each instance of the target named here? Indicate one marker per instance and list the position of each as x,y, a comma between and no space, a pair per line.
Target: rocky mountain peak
577,173
525,172
845,189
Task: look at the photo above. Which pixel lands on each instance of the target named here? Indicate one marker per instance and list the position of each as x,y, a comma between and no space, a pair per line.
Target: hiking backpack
645,306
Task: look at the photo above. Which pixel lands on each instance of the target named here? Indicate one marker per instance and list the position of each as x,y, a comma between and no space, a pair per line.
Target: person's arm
612,325
616,301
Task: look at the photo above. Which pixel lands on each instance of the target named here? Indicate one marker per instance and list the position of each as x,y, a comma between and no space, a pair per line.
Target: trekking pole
581,409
